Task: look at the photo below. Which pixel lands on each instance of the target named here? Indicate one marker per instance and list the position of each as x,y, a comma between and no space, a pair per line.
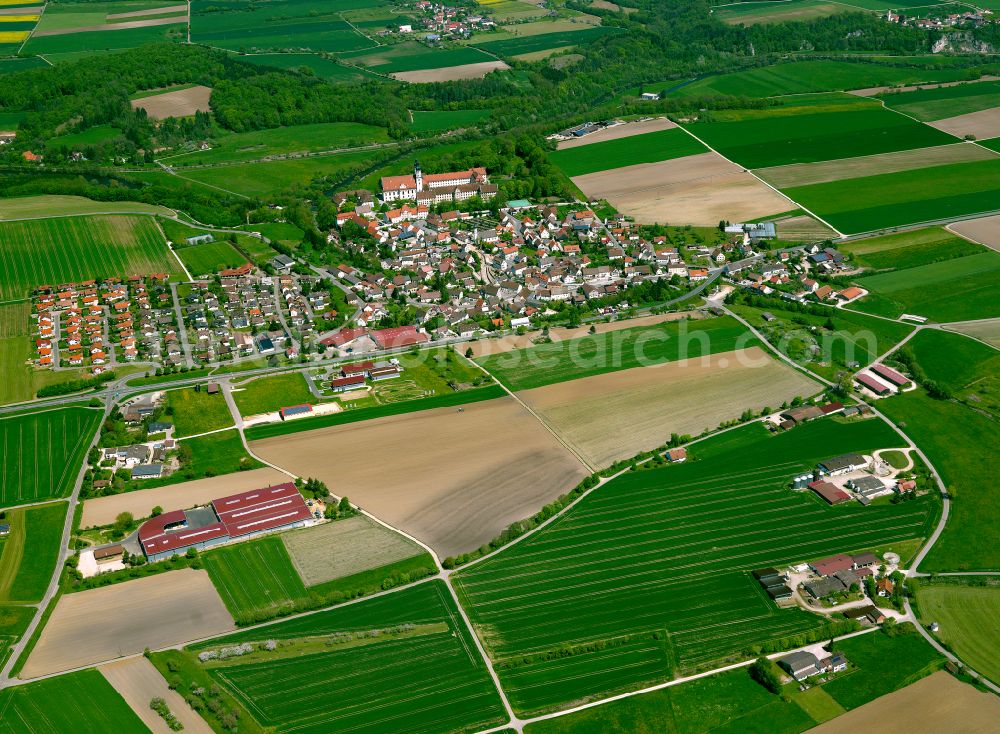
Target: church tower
418,176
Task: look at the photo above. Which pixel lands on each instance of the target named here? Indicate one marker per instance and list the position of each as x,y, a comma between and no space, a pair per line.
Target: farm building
879,388
824,587
829,566
865,614
397,337
4,529
906,485
236,517
359,368
869,487
802,414
800,665
108,552
282,263
888,373
387,372
843,464
830,492
343,384
295,411
147,471
779,592
677,455
344,337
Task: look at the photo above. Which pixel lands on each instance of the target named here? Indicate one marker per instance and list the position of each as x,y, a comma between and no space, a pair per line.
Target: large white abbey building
436,187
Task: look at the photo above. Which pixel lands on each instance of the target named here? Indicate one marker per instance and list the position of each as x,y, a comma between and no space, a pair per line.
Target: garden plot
99,625
452,477
698,189
648,576
179,103
640,408
337,549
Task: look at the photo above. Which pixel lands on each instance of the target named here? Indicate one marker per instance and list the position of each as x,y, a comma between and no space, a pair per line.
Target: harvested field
450,73
471,472
985,231
803,227
619,131
987,331
181,103
804,174
102,624
983,124
698,189
103,510
938,702
486,347
326,552
138,682
641,407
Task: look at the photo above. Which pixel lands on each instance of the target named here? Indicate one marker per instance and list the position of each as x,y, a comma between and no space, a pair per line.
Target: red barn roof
890,374
879,388
261,509
400,336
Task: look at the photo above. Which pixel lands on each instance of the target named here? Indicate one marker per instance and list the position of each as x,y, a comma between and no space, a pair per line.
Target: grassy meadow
270,394
28,555
319,66
432,121
43,452
413,56
210,257
647,148
937,104
542,42
962,610
909,249
196,412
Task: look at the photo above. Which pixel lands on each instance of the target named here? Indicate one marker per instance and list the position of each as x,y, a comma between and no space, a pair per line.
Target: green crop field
12,66
420,672
801,136
797,77
43,452
284,232
412,56
95,41
261,179
647,148
961,611
270,394
255,576
969,368
91,136
82,703
321,67
959,289
545,41
321,136
54,251
29,554
197,412
596,354
435,121
209,258
907,197
909,249
936,104
750,13
14,621
648,576
28,207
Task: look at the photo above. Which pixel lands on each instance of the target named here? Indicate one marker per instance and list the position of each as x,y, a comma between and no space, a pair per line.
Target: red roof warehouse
400,336
229,518
872,384
889,374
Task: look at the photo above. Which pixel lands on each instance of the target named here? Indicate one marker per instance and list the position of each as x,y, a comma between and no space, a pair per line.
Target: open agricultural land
987,331
87,703
649,147
31,207
30,551
400,662
673,547
196,411
616,132
138,682
643,406
181,102
64,249
210,257
520,45
43,452
475,469
941,103
321,66
270,394
98,625
967,614
427,121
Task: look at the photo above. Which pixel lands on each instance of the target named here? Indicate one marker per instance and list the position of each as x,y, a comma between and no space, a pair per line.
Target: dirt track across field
139,682
983,124
985,231
454,478
115,26
450,73
639,408
99,625
345,547
509,343
697,189
804,174
937,703
619,131
103,510
180,103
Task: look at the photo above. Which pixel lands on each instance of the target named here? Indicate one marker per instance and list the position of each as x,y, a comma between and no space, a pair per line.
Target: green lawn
269,394
936,104
197,412
82,703
430,121
968,616
43,452
648,577
29,554
959,289
59,250
596,354
909,249
418,672
254,577
210,258
790,135
648,148
871,203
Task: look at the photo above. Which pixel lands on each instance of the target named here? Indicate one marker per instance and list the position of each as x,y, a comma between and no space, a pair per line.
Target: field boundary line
780,193
32,32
